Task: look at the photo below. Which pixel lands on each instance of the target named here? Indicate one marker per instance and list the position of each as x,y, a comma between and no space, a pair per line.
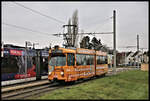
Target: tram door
71,67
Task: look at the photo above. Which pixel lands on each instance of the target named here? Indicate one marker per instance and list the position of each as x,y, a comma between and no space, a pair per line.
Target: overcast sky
131,19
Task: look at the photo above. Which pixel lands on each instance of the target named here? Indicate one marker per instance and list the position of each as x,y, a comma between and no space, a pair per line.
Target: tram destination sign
56,51
85,51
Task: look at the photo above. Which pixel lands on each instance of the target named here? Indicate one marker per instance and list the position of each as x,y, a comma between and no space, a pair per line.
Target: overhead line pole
137,42
114,39
138,48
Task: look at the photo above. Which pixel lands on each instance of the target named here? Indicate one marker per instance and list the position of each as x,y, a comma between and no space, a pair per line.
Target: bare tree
75,28
72,31
69,37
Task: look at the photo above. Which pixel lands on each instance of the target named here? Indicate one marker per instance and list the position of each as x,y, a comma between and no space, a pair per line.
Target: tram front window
57,60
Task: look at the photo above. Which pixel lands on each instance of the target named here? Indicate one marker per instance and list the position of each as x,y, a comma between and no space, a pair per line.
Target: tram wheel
104,75
70,83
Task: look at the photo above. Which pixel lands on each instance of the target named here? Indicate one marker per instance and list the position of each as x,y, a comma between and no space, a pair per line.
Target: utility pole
125,58
142,55
138,48
38,71
137,42
114,39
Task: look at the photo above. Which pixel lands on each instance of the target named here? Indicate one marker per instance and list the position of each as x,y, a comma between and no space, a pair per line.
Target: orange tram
69,65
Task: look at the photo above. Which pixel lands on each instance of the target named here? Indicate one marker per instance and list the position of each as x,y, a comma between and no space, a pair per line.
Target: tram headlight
49,73
62,73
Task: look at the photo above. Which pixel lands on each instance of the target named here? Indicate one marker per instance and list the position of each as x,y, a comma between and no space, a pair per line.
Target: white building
145,57
137,57
129,58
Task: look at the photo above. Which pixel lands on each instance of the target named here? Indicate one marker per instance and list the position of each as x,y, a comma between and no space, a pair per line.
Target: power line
25,28
102,22
39,13
105,21
131,47
83,33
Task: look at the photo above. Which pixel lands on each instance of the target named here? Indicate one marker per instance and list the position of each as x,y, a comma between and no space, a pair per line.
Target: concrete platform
5,83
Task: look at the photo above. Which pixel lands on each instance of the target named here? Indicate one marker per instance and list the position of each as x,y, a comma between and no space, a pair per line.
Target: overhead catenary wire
103,23
20,27
99,26
104,20
90,33
52,18
130,47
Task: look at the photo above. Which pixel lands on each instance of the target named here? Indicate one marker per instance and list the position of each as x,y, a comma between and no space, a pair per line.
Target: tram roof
73,50
85,51
62,50
101,53
76,50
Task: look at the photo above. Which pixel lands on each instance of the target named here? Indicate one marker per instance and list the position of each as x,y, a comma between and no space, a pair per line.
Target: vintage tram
69,65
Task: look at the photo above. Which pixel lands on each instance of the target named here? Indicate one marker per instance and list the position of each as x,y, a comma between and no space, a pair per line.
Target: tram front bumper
58,76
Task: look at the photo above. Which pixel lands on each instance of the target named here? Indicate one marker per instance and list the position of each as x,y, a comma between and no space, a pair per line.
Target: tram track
35,90
24,92
23,85
28,92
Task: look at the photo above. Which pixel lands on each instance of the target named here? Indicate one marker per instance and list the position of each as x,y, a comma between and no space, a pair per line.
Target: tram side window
84,60
78,59
98,59
106,60
88,60
81,59
70,59
102,59
91,59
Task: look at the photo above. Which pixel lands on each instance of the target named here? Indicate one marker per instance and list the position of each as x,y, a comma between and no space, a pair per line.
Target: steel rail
27,92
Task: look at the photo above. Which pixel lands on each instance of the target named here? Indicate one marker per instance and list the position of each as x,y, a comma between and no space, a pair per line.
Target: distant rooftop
135,53
13,46
128,53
